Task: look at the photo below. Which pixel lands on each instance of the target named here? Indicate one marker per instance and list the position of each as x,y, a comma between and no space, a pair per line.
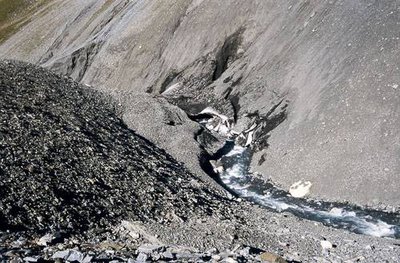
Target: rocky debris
302,50
144,253
87,172
168,127
69,255
69,164
219,128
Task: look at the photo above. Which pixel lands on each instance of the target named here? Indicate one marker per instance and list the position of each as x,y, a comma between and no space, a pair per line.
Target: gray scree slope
69,163
320,77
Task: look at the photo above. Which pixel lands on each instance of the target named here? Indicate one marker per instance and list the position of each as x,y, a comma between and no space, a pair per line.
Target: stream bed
237,179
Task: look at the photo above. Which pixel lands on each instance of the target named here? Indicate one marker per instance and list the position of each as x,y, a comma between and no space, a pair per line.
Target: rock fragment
150,248
300,189
326,245
271,258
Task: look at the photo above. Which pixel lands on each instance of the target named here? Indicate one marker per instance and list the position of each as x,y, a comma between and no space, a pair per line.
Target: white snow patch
173,87
211,111
249,138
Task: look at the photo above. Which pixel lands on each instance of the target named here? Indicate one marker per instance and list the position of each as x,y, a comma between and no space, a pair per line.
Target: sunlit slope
16,13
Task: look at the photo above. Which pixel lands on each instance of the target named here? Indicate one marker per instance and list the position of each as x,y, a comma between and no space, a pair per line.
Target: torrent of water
233,169
237,178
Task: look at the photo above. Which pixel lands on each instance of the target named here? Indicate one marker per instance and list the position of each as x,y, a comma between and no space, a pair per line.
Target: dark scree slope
68,162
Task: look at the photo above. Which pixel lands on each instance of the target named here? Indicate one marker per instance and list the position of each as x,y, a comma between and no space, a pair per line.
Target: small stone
9,254
185,255
61,254
245,252
216,257
325,244
88,259
370,247
75,256
44,240
226,254
240,51
300,189
272,258
167,255
19,243
237,246
134,235
142,257
149,248
229,260
31,259
212,251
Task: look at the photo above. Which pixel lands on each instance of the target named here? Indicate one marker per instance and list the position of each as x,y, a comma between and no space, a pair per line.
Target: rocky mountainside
320,78
69,163
78,185
305,91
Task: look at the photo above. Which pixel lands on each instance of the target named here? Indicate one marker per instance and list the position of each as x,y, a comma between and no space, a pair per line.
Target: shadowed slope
69,162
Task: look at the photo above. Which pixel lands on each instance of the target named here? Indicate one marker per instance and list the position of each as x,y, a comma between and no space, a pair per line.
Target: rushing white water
236,177
233,168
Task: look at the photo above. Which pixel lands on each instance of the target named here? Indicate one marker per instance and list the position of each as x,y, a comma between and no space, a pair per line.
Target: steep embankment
320,78
69,163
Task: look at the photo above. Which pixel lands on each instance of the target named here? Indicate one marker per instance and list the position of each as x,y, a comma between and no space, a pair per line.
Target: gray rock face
322,76
69,163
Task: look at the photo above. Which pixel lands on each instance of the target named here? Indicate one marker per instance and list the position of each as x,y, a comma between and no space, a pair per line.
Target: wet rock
217,166
211,142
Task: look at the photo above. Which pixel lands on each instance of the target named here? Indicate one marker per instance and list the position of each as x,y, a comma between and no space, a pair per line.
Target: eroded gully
232,164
